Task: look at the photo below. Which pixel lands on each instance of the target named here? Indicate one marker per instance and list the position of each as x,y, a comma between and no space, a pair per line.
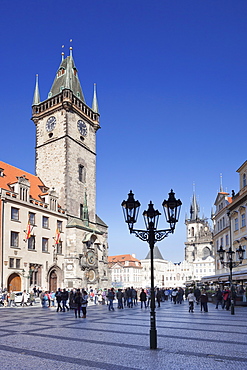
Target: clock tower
66,161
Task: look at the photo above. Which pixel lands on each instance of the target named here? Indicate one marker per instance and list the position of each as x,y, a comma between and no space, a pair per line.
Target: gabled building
126,271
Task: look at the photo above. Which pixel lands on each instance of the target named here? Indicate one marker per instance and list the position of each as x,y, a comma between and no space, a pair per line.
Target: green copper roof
67,78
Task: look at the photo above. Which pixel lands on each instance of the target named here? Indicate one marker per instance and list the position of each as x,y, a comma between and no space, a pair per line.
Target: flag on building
57,237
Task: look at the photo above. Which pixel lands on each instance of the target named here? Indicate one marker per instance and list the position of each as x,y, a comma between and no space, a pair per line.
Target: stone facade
66,163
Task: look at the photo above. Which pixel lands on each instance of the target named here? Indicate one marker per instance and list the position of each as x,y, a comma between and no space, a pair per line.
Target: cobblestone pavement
41,338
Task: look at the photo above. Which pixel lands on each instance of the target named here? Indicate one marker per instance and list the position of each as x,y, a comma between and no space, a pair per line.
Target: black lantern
151,217
230,254
221,252
172,208
131,210
240,252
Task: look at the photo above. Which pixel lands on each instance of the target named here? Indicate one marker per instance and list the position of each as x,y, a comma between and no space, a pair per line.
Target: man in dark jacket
219,297
204,300
58,296
65,297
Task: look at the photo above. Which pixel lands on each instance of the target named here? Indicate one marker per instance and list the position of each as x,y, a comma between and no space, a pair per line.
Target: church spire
95,106
36,96
194,208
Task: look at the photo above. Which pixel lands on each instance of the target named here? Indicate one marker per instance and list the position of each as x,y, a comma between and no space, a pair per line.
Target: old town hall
50,234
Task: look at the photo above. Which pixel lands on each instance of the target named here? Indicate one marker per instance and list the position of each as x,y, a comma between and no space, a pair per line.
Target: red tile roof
10,174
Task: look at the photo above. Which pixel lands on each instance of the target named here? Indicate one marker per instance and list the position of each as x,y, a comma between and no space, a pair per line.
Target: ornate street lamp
230,263
151,235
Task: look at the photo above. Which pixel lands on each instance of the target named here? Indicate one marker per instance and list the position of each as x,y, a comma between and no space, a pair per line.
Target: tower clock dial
82,127
91,275
50,124
91,258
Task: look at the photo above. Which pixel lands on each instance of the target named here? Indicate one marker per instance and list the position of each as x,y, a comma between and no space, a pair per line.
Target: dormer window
1,172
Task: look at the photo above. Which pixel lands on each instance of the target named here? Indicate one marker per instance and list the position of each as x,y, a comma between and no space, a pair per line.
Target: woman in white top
191,300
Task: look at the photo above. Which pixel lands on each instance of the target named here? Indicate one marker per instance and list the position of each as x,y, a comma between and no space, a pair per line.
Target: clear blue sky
172,87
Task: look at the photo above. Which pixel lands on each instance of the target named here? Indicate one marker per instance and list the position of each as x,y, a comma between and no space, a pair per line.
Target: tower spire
194,208
95,106
36,96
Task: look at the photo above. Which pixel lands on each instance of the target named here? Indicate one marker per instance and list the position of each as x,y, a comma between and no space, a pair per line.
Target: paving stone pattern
41,338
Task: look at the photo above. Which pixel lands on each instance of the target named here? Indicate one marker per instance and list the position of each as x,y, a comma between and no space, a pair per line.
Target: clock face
50,124
82,127
69,267
91,275
91,258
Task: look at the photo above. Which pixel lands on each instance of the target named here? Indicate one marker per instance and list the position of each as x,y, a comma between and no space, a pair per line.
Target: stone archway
53,281
14,282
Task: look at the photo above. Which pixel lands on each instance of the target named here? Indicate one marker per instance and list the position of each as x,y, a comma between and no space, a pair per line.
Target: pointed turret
36,96
95,106
194,208
67,78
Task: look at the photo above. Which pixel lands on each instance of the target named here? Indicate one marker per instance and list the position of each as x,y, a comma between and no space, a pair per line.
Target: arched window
192,231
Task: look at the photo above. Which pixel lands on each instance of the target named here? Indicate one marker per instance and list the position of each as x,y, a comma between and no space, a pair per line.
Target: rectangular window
236,224
59,248
18,263
81,173
14,239
32,218
45,245
243,222
14,214
45,222
60,226
12,263
81,211
227,239
31,242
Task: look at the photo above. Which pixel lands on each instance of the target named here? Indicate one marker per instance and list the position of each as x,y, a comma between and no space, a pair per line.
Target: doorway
53,281
14,283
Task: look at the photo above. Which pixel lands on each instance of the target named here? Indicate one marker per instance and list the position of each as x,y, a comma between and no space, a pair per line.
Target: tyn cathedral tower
66,161
199,235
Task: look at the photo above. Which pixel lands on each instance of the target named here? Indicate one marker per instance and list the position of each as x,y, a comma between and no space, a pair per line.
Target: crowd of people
78,299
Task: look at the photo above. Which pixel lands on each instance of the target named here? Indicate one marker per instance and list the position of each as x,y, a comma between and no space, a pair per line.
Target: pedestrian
76,303
111,296
226,299
58,296
24,298
143,298
180,295
219,297
174,295
84,304
12,299
191,300
65,297
119,296
158,296
204,301
31,298
197,294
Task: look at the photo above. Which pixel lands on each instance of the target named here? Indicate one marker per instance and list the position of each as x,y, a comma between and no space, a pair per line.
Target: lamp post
151,235
231,264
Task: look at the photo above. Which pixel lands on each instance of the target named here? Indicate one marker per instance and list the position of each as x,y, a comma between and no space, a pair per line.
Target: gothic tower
66,161
199,235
